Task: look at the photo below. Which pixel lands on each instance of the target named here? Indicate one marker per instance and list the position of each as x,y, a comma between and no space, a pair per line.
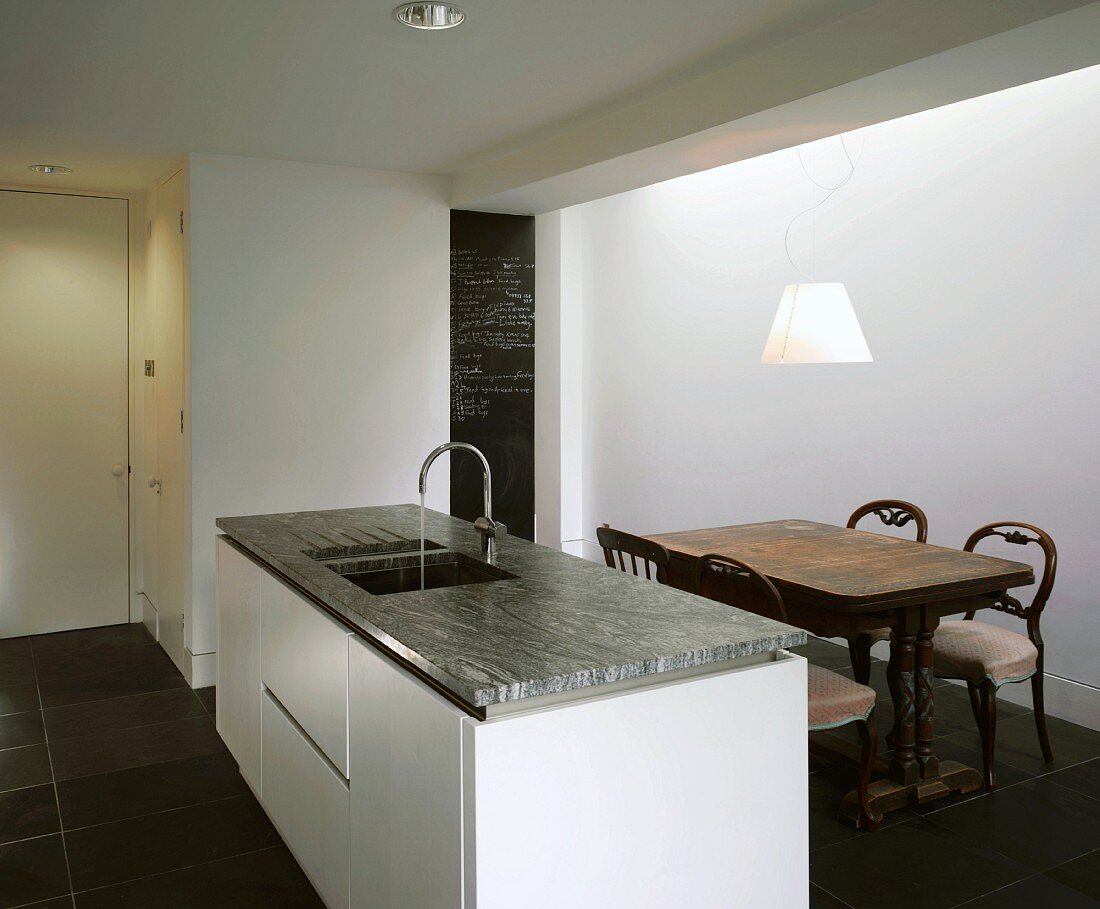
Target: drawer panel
304,661
309,802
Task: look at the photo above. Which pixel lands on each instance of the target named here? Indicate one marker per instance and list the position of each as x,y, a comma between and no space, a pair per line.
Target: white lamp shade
815,323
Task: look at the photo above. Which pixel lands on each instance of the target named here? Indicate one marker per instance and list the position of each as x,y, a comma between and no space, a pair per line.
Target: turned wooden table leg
925,696
903,765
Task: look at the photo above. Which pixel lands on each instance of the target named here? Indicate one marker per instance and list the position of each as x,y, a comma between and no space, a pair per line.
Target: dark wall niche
493,364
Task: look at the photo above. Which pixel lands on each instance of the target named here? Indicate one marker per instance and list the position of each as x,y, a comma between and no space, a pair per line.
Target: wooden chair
987,656
617,543
892,513
833,700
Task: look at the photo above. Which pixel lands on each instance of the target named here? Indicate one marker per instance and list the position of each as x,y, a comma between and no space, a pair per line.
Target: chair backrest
893,513
713,568
1021,534
618,543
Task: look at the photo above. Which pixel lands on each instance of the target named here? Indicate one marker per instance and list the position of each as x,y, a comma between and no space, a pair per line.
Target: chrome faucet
485,525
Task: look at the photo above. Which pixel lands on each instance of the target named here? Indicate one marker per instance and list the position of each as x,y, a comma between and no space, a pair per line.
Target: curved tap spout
486,526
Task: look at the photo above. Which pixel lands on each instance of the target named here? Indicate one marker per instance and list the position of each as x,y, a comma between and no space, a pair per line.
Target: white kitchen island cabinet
554,735
691,793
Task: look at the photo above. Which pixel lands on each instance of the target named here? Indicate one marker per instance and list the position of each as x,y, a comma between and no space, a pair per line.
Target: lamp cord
831,190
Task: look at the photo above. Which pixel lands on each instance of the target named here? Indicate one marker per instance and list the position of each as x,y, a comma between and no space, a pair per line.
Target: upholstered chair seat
835,700
977,652
988,656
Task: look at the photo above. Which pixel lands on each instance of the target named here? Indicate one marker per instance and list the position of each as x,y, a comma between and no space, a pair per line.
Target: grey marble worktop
561,623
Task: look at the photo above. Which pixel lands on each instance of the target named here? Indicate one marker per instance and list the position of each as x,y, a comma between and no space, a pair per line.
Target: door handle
154,483
118,470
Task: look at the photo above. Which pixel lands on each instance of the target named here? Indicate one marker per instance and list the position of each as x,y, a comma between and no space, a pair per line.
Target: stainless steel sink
449,569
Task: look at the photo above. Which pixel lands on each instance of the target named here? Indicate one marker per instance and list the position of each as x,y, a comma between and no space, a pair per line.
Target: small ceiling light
429,15
49,169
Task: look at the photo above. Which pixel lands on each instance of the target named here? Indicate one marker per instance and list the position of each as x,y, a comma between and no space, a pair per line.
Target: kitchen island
534,730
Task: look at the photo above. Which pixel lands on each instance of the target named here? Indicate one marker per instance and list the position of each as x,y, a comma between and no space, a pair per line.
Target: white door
64,482
164,486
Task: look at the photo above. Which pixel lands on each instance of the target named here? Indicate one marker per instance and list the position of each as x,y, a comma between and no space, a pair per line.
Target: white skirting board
149,617
202,668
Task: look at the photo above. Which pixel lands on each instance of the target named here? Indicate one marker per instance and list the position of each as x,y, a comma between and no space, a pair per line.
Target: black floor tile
32,871
1083,778
954,713
16,662
1036,823
121,713
1082,874
28,812
259,880
824,653
144,790
820,899
84,640
61,902
156,843
827,788
101,661
1018,744
18,698
27,766
18,729
911,866
946,750
64,691
105,752
208,696
1038,892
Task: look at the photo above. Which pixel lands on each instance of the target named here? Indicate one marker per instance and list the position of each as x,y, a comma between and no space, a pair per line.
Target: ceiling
120,90
116,89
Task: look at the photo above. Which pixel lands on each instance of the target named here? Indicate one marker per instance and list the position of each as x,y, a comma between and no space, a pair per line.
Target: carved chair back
617,543
893,513
714,569
1022,535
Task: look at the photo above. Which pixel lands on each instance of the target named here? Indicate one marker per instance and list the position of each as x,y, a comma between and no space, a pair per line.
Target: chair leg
868,745
975,703
987,726
859,650
1040,716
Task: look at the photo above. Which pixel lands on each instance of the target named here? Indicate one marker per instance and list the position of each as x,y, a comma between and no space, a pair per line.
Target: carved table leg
903,765
926,699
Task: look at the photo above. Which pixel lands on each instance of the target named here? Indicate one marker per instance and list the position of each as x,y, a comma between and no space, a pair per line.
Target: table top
851,568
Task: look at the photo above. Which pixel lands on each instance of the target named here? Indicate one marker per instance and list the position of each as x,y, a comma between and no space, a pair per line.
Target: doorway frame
135,327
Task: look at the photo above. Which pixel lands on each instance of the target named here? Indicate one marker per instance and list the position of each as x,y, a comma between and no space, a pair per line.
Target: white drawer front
309,802
304,661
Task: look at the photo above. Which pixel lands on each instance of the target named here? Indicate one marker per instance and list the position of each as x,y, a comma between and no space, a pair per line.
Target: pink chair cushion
975,651
835,699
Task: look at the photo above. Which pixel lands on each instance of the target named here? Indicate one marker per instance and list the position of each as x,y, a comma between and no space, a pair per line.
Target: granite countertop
562,623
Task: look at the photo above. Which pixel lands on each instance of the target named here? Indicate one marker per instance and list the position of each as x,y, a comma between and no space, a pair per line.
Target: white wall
967,239
319,344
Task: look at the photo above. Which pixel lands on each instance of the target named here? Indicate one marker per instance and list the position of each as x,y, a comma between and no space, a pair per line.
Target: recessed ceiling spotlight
49,169
429,15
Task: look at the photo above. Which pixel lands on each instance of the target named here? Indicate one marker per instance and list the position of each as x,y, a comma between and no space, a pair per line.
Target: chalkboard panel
493,364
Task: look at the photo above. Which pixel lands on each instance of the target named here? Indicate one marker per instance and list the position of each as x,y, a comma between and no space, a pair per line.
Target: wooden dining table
837,582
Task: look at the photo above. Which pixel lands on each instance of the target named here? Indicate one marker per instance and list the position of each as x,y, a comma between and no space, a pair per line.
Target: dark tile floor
115,789
1034,842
